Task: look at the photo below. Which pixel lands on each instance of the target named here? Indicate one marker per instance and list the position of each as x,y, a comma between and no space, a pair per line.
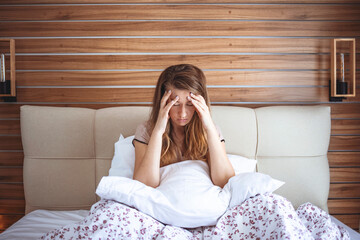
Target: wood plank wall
95,53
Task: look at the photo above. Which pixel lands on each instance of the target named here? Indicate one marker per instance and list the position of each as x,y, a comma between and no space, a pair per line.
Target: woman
180,128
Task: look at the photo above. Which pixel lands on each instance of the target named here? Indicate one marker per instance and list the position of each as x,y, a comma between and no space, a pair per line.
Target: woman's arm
221,169
147,157
147,161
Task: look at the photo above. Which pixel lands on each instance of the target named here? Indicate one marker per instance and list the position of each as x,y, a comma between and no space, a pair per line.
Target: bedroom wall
93,54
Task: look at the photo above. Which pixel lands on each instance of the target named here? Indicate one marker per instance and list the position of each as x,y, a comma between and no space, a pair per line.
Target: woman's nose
182,112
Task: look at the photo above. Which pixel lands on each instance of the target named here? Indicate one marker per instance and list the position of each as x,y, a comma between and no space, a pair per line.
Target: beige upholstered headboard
68,150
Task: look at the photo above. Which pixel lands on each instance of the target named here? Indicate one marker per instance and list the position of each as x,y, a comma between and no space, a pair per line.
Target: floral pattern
265,216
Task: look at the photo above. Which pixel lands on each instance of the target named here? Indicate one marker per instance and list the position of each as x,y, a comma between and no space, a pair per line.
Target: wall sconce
7,81
342,83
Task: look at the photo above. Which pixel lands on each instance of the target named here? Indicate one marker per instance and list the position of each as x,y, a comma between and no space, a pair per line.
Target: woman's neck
179,133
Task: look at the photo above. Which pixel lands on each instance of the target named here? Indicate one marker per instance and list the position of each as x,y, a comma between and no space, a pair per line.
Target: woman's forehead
183,94
176,91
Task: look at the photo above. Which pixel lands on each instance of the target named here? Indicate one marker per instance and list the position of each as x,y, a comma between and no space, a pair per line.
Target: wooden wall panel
345,110
11,191
345,190
181,12
345,174
175,45
180,28
123,62
349,206
145,94
95,53
344,143
9,127
12,206
11,175
11,159
7,220
344,159
172,1
149,78
10,143
345,126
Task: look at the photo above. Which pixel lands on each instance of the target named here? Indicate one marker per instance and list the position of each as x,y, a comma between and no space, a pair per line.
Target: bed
68,150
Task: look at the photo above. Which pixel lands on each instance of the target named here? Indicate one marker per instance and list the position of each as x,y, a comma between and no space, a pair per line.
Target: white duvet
243,209
186,196
264,216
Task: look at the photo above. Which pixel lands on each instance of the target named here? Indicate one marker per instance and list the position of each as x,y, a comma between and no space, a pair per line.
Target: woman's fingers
165,98
163,116
198,98
197,106
171,103
202,109
198,101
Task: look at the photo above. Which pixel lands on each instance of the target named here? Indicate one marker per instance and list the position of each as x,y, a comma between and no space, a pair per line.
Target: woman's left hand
202,109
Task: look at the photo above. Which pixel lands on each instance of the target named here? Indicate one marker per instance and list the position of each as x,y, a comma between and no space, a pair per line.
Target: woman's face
182,111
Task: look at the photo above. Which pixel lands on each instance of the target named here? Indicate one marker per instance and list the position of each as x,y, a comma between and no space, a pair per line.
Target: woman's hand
202,109
165,107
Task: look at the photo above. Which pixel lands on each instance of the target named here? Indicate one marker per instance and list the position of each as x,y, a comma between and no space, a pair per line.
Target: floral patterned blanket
265,216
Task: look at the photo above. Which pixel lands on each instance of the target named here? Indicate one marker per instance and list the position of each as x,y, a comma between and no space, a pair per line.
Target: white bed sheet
353,234
37,223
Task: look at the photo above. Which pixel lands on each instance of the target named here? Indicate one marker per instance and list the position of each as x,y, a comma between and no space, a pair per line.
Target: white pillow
123,161
186,196
246,185
242,164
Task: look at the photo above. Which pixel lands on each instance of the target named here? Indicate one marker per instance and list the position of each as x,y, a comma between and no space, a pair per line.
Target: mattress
37,223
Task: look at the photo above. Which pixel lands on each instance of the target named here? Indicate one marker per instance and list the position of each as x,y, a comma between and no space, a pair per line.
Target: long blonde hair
182,77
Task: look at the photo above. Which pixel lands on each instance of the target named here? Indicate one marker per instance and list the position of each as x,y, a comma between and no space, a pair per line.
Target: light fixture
7,81
342,83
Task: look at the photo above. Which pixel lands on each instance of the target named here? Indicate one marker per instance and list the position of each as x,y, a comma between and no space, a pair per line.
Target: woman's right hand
165,107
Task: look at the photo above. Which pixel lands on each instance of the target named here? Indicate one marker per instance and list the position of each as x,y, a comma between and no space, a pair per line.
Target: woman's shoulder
143,125
142,132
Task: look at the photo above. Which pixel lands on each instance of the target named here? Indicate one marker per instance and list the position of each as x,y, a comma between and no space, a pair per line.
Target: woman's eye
189,104
176,105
